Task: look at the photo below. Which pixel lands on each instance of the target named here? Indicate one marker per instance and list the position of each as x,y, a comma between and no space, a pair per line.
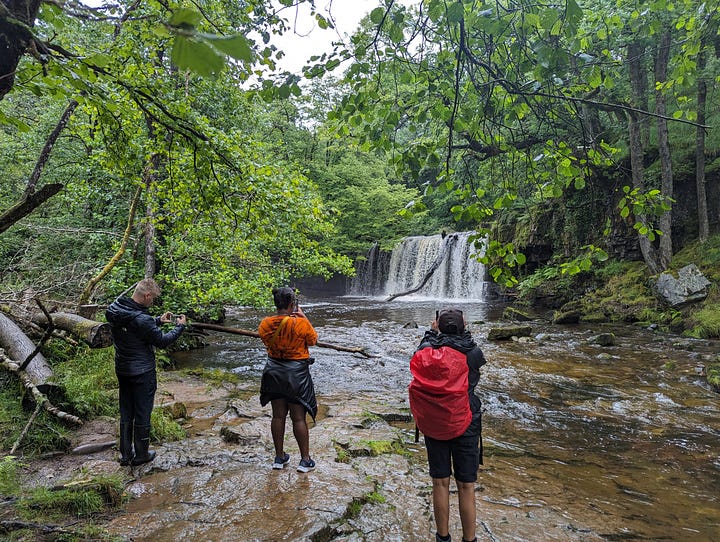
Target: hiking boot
142,444
306,465
126,444
280,462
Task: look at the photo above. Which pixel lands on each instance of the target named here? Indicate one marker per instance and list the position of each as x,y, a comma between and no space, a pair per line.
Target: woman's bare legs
277,425
300,429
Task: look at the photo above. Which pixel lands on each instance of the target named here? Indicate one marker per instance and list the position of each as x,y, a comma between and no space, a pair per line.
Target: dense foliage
187,156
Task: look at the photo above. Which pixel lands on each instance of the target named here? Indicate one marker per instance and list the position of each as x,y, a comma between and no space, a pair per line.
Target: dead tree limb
18,346
447,242
94,334
38,408
248,333
87,292
38,396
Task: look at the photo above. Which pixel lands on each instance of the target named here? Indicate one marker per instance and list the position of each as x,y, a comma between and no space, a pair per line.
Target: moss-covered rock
508,332
713,376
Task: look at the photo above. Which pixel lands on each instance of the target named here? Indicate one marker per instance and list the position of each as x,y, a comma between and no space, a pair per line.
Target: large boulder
690,286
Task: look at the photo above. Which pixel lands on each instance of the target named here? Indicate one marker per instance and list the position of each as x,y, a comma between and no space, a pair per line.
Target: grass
9,479
164,428
88,377
215,377
90,497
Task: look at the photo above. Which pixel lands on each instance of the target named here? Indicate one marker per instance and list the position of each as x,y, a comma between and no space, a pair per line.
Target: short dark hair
283,297
451,321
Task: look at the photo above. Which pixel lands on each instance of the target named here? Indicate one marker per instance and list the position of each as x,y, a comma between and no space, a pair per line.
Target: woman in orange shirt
286,382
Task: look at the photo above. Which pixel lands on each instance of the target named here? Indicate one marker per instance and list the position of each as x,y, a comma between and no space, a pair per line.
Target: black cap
451,321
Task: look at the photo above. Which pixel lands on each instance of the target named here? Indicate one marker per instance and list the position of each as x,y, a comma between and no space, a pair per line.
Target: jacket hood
123,310
462,342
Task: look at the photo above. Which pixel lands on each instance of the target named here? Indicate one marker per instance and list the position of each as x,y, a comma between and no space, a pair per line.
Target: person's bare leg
468,514
300,429
441,505
277,425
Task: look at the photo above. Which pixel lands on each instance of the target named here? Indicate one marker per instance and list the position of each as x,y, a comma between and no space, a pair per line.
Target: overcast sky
308,39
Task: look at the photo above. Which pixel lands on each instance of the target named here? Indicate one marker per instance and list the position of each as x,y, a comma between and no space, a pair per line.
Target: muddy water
582,442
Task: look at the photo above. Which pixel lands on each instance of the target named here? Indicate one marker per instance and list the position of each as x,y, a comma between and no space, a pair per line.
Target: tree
532,91
225,217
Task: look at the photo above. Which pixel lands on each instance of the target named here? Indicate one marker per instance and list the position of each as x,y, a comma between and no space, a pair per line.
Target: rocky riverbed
371,482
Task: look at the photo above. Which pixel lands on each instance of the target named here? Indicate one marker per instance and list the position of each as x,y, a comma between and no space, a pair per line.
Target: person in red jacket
462,454
286,381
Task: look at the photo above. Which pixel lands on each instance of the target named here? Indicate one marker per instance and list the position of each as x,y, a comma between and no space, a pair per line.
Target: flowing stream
623,442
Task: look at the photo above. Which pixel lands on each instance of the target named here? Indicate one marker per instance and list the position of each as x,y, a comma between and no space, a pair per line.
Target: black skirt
289,379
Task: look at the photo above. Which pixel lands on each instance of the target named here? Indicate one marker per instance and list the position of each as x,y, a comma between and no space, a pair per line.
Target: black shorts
460,456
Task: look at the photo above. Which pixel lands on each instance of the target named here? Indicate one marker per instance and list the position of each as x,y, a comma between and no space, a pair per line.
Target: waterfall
459,275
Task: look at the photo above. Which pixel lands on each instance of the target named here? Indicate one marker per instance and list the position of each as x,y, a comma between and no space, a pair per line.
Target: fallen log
19,347
449,240
94,334
248,333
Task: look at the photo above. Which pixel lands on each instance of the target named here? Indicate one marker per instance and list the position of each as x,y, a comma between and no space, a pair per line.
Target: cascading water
458,275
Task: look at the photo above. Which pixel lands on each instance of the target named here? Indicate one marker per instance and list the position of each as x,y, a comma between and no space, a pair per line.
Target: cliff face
560,227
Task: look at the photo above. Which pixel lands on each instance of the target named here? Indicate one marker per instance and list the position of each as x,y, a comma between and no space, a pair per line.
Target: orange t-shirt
293,339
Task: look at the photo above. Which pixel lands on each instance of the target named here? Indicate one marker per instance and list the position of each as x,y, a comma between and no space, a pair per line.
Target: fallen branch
38,396
94,334
38,408
248,333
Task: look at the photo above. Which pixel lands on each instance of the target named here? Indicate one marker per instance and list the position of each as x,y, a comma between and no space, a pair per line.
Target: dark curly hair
283,297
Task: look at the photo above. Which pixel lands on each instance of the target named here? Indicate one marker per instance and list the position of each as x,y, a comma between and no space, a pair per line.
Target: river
622,442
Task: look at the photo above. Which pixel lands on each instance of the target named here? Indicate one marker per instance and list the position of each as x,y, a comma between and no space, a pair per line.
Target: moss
704,323
214,377
713,376
9,479
88,377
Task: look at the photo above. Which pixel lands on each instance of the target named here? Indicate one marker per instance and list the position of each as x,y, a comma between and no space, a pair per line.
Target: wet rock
175,410
604,339
568,317
411,325
506,333
239,435
690,286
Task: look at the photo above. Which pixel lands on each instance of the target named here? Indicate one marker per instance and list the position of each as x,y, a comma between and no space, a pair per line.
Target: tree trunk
94,334
87,292
18,347
639,86
666,174
637,150
17,18
27,205
702,207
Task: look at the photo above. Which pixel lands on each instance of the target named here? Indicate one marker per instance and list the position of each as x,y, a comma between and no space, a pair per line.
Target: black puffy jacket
475,359
136,334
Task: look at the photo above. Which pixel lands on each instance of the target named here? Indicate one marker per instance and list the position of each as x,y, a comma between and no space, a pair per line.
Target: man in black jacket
136,334
460,456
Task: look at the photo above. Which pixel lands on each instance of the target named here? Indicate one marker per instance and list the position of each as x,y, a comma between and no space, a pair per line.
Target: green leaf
455,12
236,46
376,15
185,18
196,56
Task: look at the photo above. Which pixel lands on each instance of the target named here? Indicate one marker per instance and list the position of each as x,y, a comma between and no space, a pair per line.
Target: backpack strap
274,337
